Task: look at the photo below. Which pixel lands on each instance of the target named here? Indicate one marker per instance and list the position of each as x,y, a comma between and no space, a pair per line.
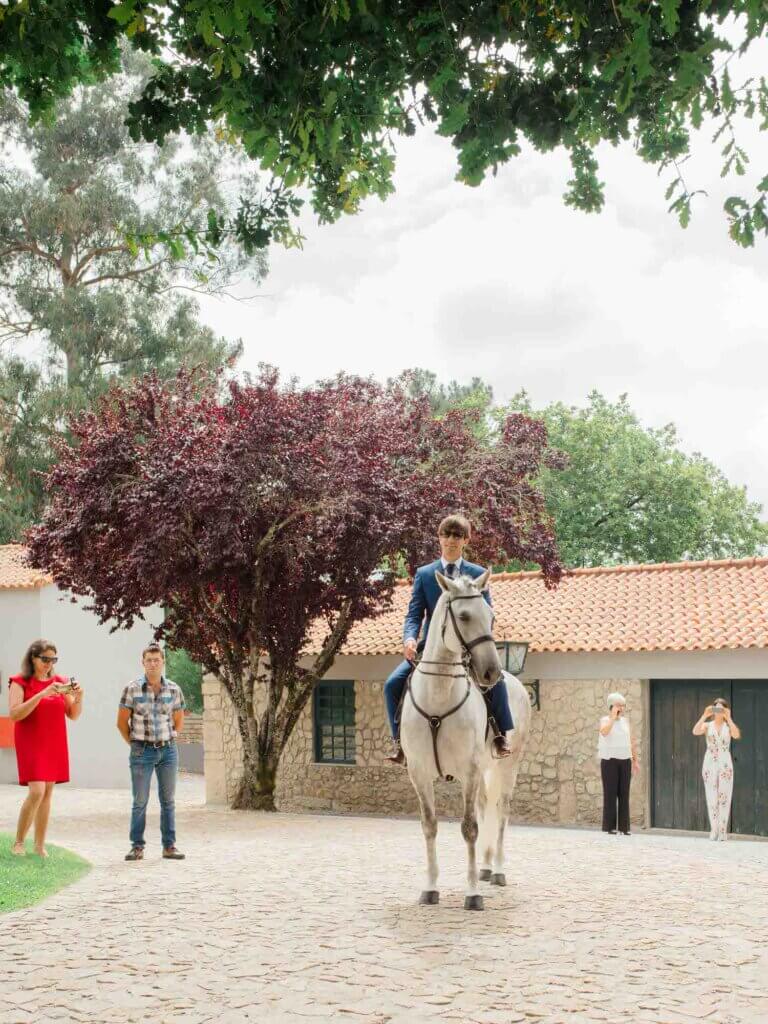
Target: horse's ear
482,581
443,582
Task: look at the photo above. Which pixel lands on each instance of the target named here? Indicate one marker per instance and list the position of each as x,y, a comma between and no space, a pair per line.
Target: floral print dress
717,773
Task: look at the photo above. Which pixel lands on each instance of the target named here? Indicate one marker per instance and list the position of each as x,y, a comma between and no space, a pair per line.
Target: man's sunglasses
47,660
453,533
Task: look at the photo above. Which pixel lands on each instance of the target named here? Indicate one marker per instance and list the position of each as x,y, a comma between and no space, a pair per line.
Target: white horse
443,731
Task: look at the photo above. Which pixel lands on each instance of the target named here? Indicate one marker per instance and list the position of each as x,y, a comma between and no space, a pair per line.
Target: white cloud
507,283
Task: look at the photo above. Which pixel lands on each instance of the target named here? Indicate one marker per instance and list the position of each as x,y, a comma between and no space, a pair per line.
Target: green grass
27,880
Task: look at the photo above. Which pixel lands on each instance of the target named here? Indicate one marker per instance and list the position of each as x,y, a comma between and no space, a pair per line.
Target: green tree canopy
75,193
82,302
317,92
630,494
30,418
421,383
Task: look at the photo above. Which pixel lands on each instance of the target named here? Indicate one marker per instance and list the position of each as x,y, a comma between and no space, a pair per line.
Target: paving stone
292,919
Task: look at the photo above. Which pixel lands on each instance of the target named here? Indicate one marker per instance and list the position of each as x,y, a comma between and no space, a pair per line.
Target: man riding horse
453,534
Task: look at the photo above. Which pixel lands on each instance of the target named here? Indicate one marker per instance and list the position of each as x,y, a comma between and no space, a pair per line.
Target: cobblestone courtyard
278,918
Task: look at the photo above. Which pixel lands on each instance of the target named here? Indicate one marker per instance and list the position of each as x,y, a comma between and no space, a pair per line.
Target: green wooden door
677,790
750,758
678,799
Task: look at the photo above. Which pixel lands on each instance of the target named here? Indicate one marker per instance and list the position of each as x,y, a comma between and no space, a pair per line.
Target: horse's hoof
485,874
497,878
429,897
473,903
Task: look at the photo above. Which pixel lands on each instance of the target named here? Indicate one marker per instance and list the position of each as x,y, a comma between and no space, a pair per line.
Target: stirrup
398,757
500,747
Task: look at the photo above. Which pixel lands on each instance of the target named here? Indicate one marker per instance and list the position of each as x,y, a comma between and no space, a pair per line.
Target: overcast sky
506,283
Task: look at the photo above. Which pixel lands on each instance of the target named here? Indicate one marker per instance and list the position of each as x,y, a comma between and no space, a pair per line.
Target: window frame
343,688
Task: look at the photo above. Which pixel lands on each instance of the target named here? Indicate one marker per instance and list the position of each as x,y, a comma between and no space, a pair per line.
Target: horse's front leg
469,829
425,790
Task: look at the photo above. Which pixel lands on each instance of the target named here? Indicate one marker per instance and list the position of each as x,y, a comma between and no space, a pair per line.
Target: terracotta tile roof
685,606
15,574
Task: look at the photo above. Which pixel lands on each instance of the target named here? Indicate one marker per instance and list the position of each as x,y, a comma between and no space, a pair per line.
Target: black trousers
617,775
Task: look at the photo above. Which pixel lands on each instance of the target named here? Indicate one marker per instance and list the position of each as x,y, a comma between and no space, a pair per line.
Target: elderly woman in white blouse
618,761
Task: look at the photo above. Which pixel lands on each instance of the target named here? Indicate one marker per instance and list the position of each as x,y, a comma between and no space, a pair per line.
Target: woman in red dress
39,702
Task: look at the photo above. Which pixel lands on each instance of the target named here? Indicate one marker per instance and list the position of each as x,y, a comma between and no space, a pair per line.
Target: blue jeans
144,761
394,686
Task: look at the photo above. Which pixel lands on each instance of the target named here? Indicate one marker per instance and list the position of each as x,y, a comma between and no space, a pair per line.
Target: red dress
41,738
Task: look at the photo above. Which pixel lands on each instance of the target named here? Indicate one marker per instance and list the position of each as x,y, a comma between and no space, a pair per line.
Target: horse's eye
464,616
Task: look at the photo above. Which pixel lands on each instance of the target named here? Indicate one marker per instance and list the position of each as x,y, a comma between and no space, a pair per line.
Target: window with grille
335,723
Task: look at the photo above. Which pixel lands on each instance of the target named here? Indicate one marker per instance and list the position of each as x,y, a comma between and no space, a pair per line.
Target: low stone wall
559,780
193,728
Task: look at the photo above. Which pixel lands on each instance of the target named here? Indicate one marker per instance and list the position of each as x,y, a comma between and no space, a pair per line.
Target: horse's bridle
467,646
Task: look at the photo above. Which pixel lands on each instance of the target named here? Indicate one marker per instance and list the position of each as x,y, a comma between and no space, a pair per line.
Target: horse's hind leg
469,829
505,791
425,790
497,876
486,805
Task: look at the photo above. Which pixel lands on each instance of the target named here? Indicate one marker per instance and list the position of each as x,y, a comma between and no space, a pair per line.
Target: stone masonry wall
559,780
370,786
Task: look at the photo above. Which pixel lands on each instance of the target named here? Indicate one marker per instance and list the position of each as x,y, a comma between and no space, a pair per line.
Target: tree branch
128,275
92,254
609,515
33,249
277,528
298,699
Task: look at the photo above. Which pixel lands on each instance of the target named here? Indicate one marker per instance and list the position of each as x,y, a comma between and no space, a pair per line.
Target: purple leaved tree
254,514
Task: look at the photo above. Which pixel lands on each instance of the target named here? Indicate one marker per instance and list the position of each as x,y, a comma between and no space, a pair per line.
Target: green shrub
189,675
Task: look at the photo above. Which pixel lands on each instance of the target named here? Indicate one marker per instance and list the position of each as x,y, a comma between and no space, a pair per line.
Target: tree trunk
260,763
257,787
74,366
69,345
266,737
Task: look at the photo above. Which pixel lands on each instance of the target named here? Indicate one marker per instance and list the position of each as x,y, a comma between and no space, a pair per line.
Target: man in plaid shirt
150,717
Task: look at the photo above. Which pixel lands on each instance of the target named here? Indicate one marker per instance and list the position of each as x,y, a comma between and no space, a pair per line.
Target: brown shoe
398,756
501,747
171,853
137,853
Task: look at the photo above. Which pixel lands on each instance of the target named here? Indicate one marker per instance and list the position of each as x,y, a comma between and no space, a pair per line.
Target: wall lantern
513,654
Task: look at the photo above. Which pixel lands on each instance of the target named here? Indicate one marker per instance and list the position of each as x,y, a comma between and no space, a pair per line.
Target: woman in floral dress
719,728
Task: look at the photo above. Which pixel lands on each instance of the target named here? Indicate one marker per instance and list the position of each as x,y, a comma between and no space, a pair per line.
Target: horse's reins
435,721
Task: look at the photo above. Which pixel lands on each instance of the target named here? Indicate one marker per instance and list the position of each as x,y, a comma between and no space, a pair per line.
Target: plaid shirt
152,716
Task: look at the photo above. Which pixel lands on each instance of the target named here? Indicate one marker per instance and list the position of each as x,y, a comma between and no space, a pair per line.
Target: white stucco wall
102,661
19,618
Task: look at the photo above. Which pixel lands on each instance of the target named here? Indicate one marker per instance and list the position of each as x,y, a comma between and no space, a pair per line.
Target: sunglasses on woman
47,660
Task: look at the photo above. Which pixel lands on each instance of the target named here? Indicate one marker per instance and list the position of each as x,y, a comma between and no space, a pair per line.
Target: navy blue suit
424,597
